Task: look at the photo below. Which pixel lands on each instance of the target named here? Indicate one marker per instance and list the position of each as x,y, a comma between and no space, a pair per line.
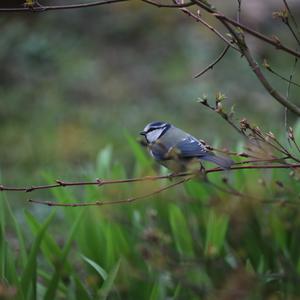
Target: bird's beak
142,133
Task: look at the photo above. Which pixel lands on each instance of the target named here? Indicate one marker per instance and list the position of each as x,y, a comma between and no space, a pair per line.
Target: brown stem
101,182
42,8
101,203
275,42
215,31
177,5
132,199
210,66
257,71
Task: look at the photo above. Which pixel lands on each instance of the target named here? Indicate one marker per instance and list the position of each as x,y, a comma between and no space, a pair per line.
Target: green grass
192,242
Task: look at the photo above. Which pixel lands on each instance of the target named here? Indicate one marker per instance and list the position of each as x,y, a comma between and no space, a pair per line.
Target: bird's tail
222,162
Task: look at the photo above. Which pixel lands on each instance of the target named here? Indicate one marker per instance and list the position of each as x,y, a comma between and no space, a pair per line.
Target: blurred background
74,81
76,88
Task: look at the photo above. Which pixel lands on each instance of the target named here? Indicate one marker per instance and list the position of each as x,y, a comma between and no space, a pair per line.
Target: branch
215,31
37,7
225,20
272,41
270,69
101,203
97,182
293,20
257,71
133,199
177,5
214,62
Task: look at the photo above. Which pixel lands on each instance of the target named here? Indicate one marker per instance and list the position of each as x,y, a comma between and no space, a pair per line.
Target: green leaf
108,283
30,268
104,161
155,292
216,229
140,154
48,246
52,287
94,265
180,230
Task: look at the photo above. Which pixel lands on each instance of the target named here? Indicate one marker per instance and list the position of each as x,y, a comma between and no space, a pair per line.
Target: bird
178,150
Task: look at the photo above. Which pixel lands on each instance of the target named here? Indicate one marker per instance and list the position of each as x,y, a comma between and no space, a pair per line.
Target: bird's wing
190,147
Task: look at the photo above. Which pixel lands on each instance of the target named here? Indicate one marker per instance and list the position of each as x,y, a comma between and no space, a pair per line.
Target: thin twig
203,22
214,62
288,93
257,71
102,182
133,199
238,17
271,70
225,20
224,116
97,182
178,5
272,41
43,8
101,203
293,20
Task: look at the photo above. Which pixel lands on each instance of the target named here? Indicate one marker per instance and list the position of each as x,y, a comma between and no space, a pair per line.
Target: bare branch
294,21
272,41
187,178
271,70
177,5
209,67
238,17
203,22
225,20
101,203
257,71
97,182
41,8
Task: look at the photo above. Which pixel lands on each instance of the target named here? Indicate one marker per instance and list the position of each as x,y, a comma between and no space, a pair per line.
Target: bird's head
154,130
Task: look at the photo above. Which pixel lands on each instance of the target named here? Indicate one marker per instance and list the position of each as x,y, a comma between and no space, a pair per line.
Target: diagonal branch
257,71
177,5
226,20
209,67
203,22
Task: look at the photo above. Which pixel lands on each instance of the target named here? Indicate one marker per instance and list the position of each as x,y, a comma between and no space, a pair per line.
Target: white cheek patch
153,135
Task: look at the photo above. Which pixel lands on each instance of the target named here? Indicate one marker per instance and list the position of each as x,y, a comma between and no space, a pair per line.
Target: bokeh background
73,81
76,87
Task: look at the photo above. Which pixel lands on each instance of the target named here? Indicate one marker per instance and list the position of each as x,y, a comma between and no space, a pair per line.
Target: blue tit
178,150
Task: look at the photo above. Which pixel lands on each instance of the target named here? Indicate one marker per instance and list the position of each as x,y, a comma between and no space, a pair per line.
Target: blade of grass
108,283
29,270
95,266
52,287
180,230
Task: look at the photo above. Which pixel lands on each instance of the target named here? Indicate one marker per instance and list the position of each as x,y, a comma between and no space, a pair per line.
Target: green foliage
180,231
216,228
189,243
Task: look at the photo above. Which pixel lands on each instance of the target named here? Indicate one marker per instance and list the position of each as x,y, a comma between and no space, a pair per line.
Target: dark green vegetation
195,242
70,83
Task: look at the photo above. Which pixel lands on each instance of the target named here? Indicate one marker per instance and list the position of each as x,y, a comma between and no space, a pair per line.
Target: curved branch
101,203
41,8
210,66
178,5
